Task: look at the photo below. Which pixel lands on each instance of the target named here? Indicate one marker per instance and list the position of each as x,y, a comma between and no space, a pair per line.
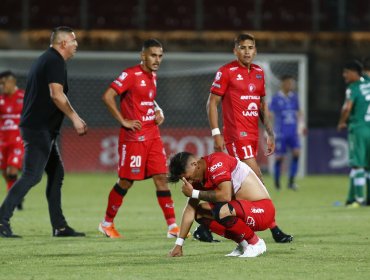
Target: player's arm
187,220
159,116
223,192
212,112
109,101
344,115
301,124
61,101
266,120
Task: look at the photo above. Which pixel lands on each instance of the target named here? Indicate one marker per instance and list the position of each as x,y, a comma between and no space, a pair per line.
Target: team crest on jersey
122,76
239,77
251,87
142,83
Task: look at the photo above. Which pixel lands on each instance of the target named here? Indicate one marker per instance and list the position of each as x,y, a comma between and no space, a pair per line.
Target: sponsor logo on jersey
122,76
138,73
251,87
233,68
146,103
250,97
218,76
142,83
118,83
257,210
258,76
215,166
218,174
252,110
216,85
239,77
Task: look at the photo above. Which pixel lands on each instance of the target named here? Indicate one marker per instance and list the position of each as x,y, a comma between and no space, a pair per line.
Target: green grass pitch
331,241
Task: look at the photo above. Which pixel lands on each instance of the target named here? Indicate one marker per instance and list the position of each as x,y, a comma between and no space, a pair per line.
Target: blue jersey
285,109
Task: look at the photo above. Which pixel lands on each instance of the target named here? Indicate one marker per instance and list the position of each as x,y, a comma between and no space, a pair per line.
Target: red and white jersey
10,115
137,90
241,90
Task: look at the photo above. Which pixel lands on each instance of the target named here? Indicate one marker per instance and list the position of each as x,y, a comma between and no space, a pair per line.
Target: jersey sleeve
219,173
123,82
55,71
220,82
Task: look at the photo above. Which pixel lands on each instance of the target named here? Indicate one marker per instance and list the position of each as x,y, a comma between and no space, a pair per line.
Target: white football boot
254,250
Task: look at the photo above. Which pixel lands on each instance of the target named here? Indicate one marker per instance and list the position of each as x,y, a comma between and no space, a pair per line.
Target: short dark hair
151,43
58,30
366,63
178,166
243,37
6,74
286,77
354,65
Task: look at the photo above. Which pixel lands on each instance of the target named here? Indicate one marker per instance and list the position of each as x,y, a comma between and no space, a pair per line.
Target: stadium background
197,37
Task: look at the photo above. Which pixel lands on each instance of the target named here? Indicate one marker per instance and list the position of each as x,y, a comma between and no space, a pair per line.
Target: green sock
359,182
367,186
351,190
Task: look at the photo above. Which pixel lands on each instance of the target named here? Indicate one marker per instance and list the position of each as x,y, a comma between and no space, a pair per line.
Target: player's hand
270,146
187,188
159,117
176,251
341,126
80,126
219,143
132,124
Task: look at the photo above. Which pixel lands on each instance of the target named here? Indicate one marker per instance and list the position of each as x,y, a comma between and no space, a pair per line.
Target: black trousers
41,154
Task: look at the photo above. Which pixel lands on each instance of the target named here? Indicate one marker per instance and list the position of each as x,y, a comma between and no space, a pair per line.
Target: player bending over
235,204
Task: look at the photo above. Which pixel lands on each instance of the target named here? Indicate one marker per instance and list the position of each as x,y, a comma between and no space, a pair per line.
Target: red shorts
243,149
11,154
258,215
141,160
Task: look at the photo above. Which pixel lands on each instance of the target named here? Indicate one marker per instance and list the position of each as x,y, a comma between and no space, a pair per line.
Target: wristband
195,194
180,241
216,131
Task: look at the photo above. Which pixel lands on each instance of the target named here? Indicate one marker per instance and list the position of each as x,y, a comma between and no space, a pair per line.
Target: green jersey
359,93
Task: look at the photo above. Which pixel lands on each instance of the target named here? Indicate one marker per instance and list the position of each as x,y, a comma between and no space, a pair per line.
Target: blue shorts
283,142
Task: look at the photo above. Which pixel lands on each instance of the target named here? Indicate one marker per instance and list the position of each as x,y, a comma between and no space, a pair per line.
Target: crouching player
235,203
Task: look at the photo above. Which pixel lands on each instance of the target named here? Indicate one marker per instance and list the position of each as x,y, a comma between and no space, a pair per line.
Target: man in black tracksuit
45,104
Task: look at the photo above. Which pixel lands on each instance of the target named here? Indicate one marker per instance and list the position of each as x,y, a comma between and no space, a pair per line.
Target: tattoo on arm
208,196
265,118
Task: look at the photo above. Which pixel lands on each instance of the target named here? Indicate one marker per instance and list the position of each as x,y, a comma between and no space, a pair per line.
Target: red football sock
10,183
115,200
166,203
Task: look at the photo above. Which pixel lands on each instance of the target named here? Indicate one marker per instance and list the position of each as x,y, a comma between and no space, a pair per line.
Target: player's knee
223,210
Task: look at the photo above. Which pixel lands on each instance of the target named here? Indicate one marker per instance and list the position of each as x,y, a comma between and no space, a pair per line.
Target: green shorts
359,147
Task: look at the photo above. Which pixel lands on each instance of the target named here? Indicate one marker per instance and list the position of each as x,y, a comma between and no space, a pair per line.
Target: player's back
360,96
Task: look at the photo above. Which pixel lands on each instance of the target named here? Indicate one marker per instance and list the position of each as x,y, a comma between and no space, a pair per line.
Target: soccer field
331,241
